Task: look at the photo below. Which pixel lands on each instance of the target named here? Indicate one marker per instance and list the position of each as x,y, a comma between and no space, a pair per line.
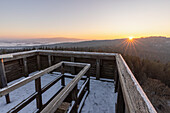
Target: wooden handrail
135,99
57,101
133,95
26,80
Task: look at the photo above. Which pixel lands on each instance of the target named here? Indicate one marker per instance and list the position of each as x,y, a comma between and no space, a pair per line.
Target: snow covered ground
101,98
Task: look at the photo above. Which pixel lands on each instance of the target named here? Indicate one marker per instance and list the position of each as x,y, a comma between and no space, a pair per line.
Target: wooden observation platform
82,65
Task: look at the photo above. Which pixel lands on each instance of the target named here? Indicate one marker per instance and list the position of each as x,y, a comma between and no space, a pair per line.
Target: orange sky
85,19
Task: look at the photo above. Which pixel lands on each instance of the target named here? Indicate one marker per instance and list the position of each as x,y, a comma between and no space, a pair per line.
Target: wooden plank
83,87
24,103
120,106
116,81
134,96
74,64
21,55
16,85
25,66
38,62
73,70
6,56
74,98
57,101
77,54
97,69
45,88
82,101
49,60
3,79
62,73
38,90
60,89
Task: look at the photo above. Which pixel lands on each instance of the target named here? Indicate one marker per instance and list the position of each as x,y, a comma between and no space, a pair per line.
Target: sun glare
130,38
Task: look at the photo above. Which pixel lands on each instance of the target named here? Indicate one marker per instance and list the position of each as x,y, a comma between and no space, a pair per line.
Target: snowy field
101,98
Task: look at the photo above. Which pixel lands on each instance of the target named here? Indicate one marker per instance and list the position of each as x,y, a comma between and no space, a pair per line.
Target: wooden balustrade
39,91
131,97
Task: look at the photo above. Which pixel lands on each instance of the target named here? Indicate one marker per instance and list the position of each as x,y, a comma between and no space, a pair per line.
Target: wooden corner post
3,79
63,77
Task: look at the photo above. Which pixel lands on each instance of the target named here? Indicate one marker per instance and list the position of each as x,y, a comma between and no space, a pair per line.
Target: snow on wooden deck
101,98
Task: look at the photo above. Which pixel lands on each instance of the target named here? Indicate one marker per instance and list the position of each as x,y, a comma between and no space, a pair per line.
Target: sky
84,19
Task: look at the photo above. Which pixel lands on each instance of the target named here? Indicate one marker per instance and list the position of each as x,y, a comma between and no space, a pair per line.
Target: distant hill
152,48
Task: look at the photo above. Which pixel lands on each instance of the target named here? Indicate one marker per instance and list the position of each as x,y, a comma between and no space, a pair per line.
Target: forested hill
153,48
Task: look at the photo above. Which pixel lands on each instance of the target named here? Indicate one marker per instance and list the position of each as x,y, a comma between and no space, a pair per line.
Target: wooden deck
131,97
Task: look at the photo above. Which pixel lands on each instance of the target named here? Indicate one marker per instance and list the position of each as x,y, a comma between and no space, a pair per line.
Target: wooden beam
57,101
63,77
74,98
49,60
3,79
25,66
6,56
73,70
26,80
135,99
38,90
77,54
21,55
120,106
97,69
22,104
74,64
38,62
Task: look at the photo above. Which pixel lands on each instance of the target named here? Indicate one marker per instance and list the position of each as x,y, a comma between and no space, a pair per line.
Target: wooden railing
62,93
131,97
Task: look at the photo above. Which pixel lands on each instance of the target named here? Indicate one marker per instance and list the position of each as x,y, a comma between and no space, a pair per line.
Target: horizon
66,39
87,20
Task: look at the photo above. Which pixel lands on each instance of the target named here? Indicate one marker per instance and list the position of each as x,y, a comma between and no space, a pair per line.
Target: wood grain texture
134,96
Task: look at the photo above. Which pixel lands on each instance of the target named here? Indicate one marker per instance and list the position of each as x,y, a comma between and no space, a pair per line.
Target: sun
130,38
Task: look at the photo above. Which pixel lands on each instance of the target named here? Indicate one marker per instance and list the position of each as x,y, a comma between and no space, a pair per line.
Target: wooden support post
38,90
120,106
116,81
63,77
73,69
3,79
74,98
52,60
25,66
49,60
97,69
88,86
38,62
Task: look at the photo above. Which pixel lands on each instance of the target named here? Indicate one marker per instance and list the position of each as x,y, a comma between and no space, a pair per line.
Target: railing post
49,60
25,67
63,77
38,90
38,62
73,69
74,98
3,79
120,106
97,69
116,80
